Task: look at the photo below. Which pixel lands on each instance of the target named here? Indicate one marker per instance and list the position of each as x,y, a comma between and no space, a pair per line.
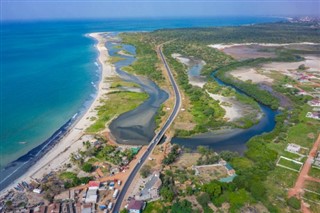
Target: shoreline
56,150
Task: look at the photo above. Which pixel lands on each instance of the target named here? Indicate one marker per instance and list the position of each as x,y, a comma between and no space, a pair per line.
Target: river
232,140
136,127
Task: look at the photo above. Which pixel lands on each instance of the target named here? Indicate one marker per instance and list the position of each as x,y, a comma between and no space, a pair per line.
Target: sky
99,9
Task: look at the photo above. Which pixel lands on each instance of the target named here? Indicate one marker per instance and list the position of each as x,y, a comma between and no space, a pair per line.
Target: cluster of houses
315,114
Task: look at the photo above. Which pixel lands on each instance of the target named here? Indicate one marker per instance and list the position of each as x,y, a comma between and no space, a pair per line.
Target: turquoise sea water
48,73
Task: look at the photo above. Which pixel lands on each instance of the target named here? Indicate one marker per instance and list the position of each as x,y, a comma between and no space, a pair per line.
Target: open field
242,52
314,172
116,104
250,74
289,164
312,186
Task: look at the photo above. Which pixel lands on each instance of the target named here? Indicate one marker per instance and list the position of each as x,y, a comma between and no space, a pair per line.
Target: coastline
59,153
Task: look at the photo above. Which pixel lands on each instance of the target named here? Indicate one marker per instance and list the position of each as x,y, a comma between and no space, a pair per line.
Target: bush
87,167
145,171
294,203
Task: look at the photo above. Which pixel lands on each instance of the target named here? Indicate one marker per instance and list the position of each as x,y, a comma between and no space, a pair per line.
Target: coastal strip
53,157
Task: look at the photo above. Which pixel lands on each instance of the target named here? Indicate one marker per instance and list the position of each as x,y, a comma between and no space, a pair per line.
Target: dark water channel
136,126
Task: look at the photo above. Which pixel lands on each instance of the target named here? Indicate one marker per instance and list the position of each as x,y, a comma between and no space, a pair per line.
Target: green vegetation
172,156
147,60
114,59
207,113
116,104
116,83
290,164
258,179
159,115
87,167
249,119
315,172
145,171
261,33
207,157
71,179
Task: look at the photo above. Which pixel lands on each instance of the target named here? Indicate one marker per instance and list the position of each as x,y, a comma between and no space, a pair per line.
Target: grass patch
312,186
298,134
314,172
116,104
311,196
120,83
114,59
154,207
288,163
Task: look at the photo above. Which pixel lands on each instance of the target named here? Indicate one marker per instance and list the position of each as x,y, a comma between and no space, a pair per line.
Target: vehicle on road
115,193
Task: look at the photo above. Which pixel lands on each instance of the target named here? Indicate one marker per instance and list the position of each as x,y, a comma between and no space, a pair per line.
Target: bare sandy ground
312,61
60,153
252,74
223,46
233,112
198,81
260,50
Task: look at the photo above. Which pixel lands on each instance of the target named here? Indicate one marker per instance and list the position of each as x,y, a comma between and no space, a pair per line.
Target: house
314,103
38,191
136,206
314,115
114,170
94,184
293,148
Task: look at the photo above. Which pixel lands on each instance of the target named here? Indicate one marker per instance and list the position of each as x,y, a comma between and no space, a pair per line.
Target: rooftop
135,204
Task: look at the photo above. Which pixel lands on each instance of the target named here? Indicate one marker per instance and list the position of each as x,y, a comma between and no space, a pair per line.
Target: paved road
156,138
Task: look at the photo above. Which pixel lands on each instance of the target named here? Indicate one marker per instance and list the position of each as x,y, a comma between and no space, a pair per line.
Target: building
151,188
314,103
316,160
136,206
293,148
314,115
91,196
94,184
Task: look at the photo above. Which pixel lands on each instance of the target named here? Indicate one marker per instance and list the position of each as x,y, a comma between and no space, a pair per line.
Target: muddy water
136,127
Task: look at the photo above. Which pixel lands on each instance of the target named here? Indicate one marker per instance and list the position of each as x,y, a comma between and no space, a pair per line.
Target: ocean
49,73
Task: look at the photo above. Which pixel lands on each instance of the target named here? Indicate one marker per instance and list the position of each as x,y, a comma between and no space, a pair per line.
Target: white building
314,115
293,148
92,196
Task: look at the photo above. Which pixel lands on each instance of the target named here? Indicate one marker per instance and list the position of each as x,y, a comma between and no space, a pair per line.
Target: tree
167,194
203,199
87,167
228,156
145,171
213,189
183,206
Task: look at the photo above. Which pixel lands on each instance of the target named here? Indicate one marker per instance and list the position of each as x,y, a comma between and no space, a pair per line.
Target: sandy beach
71,142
